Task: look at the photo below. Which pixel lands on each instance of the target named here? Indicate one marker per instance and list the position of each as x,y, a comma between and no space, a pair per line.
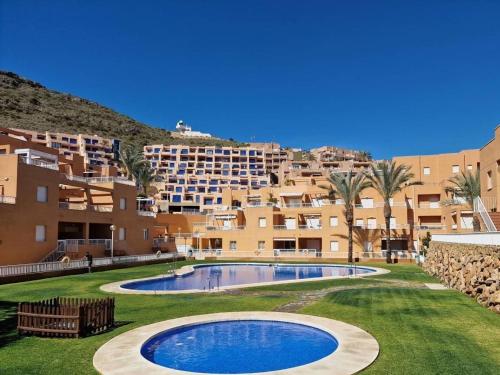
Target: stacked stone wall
471,269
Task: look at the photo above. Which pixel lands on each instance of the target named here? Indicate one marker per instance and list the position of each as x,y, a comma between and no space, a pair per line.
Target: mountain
26,104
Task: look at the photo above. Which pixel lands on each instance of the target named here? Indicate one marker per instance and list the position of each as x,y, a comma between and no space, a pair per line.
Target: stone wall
471,269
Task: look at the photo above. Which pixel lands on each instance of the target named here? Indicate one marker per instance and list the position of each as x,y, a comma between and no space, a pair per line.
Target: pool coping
357,349
116,287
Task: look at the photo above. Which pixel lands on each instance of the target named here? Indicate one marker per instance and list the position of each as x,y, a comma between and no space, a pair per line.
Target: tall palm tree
467,185
387,179
348,187
144,175
132,160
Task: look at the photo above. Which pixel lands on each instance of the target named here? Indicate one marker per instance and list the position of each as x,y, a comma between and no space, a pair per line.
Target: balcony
39,163
73,206
7,199
146,213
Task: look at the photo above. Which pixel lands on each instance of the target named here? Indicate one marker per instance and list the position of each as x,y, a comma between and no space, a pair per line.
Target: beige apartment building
298,219
96,151
193,178
49,208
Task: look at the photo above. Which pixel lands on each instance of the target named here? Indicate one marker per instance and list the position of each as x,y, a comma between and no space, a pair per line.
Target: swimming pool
220,276
240,346
255,340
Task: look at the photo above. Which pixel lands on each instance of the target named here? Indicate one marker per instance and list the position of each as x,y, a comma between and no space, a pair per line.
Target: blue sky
391,77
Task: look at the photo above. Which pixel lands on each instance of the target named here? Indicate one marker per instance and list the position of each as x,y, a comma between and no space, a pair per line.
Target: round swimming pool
239,346
213,277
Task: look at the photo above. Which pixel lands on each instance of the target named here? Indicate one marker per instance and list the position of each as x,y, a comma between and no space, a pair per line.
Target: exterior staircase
55,254
495,218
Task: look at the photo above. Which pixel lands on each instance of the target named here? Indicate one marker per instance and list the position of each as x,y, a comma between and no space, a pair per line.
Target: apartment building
192,178
48,208
490,179
274,154
96,151
298,219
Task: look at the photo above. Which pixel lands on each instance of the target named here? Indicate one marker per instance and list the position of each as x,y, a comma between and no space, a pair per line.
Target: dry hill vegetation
26,104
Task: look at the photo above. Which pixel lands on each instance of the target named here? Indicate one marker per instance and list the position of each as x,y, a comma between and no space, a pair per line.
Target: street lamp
112,228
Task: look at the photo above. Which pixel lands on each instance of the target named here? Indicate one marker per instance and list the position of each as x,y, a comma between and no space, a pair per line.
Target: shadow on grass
8,323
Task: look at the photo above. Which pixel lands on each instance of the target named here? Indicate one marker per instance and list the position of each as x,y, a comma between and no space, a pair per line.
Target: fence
25,269
65,317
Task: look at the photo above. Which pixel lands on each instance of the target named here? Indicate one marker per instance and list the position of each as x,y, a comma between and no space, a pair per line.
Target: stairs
495,217
55,254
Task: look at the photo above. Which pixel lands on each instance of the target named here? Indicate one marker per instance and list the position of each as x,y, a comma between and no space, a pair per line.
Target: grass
420,331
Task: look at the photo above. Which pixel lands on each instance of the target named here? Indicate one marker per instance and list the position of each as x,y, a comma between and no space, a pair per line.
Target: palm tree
387,179
467,186
144,175
348,187
131,161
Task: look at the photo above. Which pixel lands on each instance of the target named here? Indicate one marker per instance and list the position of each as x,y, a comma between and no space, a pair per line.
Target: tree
132,160
387,179
365,156
348,187
144,175
467,186
272,199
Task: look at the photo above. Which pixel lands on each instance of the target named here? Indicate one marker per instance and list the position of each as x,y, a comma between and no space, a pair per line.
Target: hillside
26,104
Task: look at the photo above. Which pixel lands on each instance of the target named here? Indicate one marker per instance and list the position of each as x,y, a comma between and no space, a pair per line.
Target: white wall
487,238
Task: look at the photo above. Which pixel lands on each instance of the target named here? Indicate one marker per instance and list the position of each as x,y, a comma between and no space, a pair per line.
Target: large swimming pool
210,277
236,347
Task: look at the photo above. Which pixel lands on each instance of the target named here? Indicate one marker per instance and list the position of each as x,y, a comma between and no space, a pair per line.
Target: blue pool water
213,276
235,347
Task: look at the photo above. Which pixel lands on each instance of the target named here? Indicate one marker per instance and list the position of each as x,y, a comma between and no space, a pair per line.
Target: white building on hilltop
185,130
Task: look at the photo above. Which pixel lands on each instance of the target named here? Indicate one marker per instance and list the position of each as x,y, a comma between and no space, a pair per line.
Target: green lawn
420,331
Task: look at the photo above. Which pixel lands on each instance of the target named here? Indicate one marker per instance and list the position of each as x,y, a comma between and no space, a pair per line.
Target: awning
291,194
284,239
254,196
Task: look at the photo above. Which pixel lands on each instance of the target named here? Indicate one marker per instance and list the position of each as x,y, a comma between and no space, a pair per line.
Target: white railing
479,207
7,199
99,180
100,208
72,245
430,227
39,163
310,227
264,204
216,228
284,227
157,242
429,205
146,213
31,268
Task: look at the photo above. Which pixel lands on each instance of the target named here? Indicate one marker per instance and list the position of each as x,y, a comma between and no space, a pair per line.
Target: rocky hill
26,104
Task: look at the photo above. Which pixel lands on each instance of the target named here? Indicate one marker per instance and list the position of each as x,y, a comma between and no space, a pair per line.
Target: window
145,234
122,234
455,169
40,233
427,171
232,245
123,203
262,222
469,167
467,222
41,193
368,246
367,202
359,223
261,245
392,223
489,181
372,223
334,221
334,246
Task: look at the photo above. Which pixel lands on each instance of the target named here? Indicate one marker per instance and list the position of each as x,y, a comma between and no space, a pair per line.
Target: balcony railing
39,163
430,227
233,227
429,205
7,199
100,180
100,208
72,206
146,213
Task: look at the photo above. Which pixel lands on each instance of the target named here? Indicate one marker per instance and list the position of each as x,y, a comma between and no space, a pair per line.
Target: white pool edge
116,287
357,348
